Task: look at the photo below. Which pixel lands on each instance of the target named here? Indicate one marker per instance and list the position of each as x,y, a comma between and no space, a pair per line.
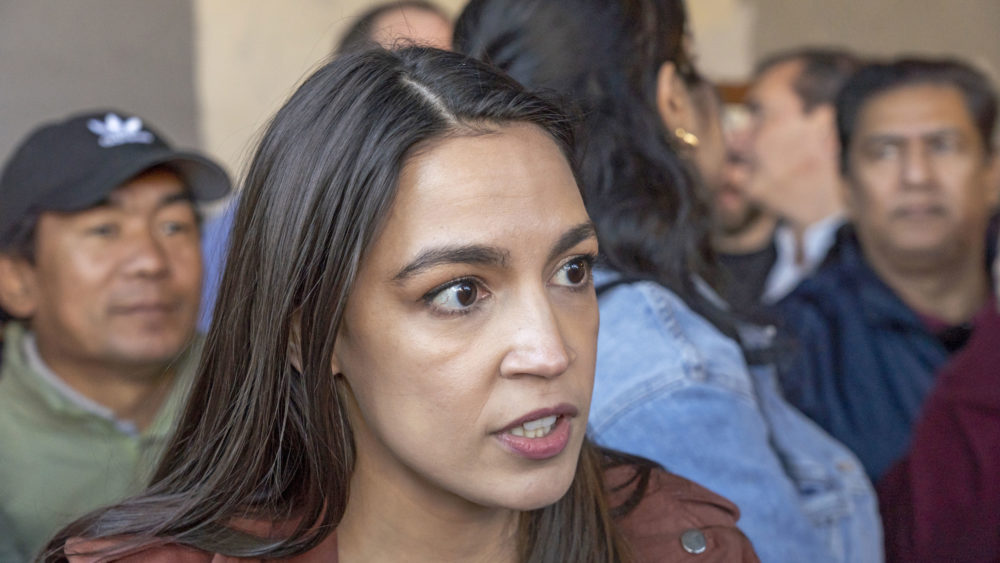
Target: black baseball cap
75,163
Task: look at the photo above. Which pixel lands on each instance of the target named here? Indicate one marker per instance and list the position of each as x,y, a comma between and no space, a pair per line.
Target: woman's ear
335,363
673,102
18,292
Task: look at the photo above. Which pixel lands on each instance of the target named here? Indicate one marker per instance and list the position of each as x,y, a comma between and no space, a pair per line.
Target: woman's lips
549,445
541,434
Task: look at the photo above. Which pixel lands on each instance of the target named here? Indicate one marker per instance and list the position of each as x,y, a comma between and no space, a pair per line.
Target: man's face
733,211
922,184
117,284
786,143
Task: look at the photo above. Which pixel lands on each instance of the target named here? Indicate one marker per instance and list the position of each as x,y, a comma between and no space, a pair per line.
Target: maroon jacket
671,506
942,501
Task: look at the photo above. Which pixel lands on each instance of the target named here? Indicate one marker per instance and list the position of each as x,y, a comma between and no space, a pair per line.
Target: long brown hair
262,440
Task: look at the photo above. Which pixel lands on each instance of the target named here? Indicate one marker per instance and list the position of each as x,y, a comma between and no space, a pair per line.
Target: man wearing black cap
101,269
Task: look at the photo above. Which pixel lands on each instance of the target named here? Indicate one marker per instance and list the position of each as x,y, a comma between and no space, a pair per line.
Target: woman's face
468,343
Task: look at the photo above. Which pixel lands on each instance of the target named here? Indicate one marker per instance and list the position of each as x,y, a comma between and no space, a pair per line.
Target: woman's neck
390,519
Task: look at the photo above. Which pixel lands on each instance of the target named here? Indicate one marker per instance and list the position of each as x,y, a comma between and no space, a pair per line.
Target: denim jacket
672,388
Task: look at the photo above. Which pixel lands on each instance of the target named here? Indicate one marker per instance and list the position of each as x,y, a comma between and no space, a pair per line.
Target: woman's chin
539,491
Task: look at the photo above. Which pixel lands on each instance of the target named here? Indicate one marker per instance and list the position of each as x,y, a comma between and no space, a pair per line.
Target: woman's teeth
535,428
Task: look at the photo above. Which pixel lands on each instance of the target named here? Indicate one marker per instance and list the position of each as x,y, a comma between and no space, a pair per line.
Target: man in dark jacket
901,291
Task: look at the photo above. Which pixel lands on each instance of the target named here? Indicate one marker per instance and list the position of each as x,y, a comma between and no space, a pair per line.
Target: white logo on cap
113,131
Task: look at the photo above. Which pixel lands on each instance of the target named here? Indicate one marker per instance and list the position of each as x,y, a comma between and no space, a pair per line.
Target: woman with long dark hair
673,382
401,358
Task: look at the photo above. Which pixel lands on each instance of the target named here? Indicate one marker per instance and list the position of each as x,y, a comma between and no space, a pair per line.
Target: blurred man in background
743,231
394,24
793,157
909,281
100,267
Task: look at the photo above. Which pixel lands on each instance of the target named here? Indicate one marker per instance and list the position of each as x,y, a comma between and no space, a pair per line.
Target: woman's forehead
487,171
484,189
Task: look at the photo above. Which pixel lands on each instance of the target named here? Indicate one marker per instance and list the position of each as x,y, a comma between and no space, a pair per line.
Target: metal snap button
693,541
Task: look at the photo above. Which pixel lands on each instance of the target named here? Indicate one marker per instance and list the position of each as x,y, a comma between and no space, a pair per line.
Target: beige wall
723,33
252,54
732,34
59,57
210,72
966,28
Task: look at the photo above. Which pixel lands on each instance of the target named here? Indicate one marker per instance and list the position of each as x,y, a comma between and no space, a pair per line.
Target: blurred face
406,25
119,283
468,342
921,184
733,210
785,142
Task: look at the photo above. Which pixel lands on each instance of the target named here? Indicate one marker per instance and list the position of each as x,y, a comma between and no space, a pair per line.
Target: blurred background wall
59,56
210,72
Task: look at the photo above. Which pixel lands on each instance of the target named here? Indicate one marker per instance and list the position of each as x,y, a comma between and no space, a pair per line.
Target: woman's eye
575,272
455,298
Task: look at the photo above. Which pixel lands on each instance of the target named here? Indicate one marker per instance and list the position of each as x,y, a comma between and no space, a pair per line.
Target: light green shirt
60,456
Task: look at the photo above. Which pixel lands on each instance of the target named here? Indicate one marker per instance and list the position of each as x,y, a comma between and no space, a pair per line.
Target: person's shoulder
830,293
642,312
129,549
842,276
11,334
832,280
625,301
666,517
969,379
80,550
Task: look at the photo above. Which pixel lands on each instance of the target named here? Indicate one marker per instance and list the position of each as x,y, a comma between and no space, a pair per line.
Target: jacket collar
880,305
18,375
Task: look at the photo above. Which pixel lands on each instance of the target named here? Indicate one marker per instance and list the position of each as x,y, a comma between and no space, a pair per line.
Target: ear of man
18,286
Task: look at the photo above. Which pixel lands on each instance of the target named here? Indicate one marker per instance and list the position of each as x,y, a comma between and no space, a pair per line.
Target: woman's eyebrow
487,255
571,238
468,254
